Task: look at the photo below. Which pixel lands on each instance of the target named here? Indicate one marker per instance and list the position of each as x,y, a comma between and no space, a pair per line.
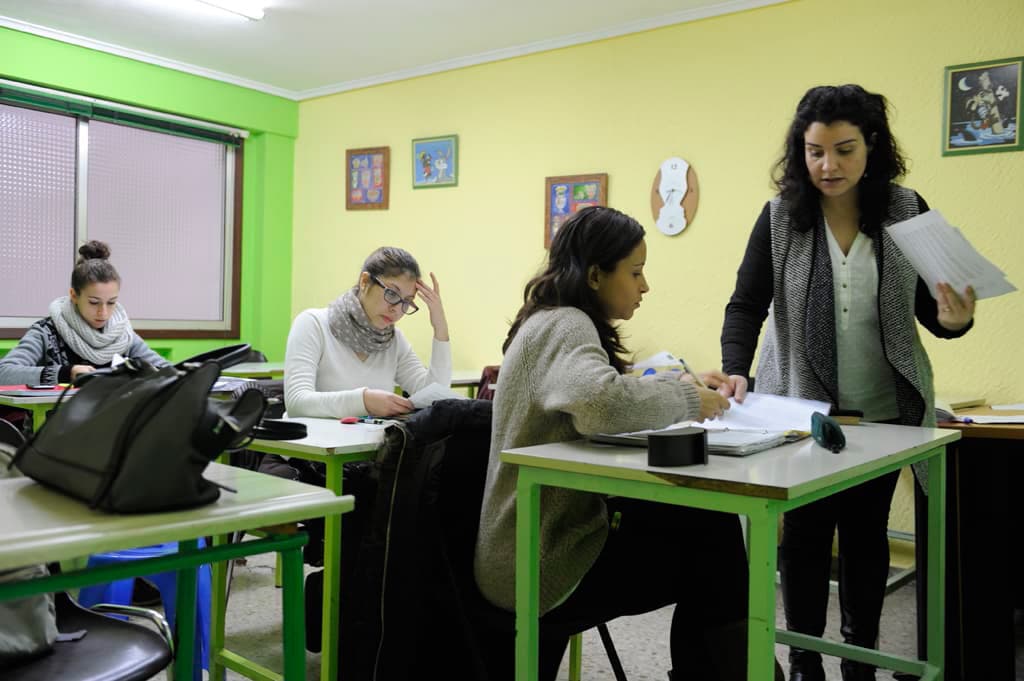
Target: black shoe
145,595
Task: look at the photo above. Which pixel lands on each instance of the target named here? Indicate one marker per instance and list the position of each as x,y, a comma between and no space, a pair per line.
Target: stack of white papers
760,422
761,412
940,253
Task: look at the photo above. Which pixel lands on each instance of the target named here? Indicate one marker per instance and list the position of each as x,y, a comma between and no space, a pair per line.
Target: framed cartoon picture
435,162
983,103
367,178
566,194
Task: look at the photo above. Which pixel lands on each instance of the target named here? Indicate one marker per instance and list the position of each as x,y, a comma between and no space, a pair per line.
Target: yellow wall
718,92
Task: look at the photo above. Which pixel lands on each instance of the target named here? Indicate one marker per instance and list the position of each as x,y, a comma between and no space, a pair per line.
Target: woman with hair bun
83,332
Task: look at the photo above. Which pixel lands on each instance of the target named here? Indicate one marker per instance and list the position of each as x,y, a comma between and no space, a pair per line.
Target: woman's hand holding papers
955,311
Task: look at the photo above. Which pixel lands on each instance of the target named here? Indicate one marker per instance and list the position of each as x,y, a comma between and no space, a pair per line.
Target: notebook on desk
721,442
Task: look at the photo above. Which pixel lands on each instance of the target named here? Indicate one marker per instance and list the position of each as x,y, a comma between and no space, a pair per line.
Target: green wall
269,156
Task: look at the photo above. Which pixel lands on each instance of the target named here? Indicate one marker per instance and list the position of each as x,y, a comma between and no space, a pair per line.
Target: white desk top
784,472
465,377
40,525
41,397
251,369
328,436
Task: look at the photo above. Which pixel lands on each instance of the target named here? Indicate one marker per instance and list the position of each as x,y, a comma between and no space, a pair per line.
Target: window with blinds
161,195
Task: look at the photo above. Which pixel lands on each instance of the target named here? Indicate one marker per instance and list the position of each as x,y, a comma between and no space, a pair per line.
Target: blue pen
966,419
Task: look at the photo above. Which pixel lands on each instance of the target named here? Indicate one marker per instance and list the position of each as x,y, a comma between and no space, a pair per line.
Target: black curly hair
885,164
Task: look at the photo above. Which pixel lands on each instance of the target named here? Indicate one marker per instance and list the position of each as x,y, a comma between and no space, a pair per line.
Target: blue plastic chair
120,593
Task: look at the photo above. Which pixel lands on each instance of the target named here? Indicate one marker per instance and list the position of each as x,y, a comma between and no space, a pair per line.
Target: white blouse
865,376
324,378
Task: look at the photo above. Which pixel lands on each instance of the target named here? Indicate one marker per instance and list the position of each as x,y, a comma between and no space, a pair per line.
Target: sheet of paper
658,361
116,360
940,253
768,413
981,418
432,393
1019,406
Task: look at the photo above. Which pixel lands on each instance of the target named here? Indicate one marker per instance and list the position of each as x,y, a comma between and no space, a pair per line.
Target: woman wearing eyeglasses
347,358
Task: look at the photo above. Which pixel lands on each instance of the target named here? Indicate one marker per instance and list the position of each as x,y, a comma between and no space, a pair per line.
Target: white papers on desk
658,361
424,397
986,418
1010,407
724,442
227,384
940,253
766,413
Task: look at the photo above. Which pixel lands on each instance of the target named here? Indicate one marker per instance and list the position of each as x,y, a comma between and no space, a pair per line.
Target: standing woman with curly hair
84,331
840,299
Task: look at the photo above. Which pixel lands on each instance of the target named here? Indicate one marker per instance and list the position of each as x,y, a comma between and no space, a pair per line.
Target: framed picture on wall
566,194
435,161
983,103
367,178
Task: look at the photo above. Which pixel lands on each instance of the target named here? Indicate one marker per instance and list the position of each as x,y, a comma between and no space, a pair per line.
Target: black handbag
137,439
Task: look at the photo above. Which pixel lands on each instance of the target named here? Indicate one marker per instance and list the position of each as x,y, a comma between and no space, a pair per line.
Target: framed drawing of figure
566,194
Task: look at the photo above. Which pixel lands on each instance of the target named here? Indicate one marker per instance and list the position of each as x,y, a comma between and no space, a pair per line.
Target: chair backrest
488,379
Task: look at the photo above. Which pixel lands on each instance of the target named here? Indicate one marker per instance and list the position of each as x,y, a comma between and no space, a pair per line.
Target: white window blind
37,209
160,189
158,200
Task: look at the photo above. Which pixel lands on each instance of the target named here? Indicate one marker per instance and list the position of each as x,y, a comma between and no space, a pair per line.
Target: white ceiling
308,48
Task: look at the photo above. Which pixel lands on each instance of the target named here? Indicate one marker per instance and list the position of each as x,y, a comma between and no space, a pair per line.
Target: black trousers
659,555
805,557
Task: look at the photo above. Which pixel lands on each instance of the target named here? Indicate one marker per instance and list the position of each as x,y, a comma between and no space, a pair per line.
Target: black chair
94,647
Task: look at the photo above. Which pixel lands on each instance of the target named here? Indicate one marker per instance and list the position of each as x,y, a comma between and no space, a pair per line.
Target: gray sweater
42,356
556,384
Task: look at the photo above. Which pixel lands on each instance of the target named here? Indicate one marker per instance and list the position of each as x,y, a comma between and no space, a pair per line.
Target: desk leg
332,573
936,608
762,541
218,612
527,576
185,652
39,412
294,616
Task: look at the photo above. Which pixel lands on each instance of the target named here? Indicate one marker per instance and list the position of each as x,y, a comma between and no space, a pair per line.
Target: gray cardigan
556,384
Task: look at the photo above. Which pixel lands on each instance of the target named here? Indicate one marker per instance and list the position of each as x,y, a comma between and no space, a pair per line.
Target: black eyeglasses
393,297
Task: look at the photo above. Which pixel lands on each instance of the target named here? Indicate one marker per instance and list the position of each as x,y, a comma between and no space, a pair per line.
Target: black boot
861,591
805,598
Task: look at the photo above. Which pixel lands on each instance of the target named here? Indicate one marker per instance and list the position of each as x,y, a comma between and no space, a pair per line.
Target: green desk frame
185,562
763,514
331,622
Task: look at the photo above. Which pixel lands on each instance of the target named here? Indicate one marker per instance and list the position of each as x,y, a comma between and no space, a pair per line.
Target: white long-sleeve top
324,378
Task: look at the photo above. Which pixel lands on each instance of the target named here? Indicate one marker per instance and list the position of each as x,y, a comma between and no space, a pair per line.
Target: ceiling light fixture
249,10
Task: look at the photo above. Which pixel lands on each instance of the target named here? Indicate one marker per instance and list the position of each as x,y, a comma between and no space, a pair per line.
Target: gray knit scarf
350,325
96,346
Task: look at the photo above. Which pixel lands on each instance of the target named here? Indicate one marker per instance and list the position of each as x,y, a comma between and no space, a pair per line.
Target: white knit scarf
350,325
96,346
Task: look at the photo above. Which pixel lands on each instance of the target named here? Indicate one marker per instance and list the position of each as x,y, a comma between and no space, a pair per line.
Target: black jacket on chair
415,607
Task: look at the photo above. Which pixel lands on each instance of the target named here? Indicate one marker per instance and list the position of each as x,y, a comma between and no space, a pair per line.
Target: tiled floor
642,642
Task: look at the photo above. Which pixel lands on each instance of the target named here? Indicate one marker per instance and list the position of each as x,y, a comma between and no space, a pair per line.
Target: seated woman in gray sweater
84,331
562,377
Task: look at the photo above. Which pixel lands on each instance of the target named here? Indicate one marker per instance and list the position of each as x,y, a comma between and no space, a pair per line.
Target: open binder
721,442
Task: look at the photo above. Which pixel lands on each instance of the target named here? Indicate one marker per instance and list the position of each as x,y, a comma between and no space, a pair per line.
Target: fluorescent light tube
249,10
